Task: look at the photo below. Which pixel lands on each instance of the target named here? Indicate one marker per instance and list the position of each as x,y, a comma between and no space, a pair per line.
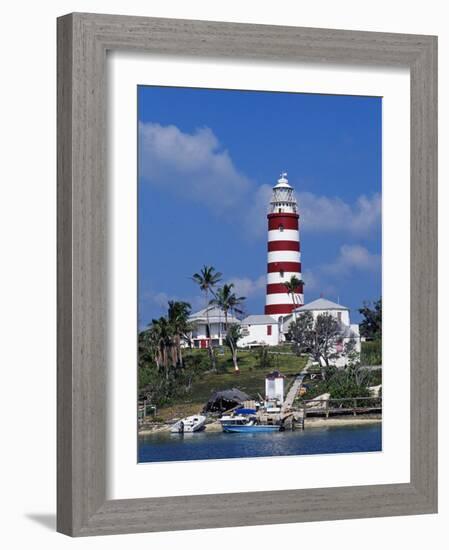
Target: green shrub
371,353
199,362
145,375
264,359
374,377
340,384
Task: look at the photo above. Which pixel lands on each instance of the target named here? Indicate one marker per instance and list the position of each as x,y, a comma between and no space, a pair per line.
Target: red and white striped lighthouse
284,257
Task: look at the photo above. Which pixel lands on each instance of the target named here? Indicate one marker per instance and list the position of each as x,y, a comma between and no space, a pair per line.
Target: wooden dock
340,407
292,393
296,417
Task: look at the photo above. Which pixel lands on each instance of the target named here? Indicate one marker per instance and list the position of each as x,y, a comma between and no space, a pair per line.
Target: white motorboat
251,427
189,424
246,423
236,420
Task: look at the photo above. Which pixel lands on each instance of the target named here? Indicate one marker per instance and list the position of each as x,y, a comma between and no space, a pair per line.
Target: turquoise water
163,447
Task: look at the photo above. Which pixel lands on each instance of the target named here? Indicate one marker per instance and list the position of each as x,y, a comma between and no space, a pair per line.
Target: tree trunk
234,360
325,367
209,343
234,355
165,356
174,355
181,361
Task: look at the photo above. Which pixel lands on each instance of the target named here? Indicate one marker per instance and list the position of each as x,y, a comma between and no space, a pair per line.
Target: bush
145,376
340,384
374,378
264,359
198,362
165,384
371,353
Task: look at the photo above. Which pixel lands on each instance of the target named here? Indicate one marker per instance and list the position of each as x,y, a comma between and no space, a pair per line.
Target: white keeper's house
259,330
265,330
214,318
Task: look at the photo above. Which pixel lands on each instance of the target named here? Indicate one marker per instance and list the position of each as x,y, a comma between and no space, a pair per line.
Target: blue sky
207,162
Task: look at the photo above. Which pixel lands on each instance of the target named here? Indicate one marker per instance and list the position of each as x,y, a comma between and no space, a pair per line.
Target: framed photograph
247,274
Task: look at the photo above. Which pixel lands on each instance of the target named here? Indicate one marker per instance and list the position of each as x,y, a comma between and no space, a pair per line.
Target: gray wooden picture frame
83,41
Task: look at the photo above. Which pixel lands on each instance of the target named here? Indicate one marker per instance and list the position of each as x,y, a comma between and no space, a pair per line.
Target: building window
268,330
281,228
281,273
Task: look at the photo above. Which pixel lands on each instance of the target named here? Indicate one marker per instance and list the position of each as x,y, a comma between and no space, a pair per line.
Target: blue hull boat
255,428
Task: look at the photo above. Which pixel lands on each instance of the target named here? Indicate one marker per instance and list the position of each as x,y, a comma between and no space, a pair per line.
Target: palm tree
226,300
207,279
162,334
151,340
293,287
235,303
178,315
147,348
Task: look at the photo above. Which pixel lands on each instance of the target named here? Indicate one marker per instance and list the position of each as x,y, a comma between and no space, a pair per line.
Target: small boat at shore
189,424
245,421
252,428
229,420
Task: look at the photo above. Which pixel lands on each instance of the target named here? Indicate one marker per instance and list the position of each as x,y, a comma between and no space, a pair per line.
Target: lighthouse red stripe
282,215
279,288
293,267
279,309
286,222
274,246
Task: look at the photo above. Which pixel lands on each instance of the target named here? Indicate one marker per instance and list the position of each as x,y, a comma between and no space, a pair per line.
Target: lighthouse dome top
283,182
283,199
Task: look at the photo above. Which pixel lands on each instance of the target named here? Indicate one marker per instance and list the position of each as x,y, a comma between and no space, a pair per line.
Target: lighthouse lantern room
284,256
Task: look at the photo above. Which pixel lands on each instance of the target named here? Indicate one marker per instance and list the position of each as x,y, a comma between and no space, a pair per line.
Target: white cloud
315,282
319,214
326,214
194,166
157,302
244,286
311,281
158,299
324,279
352,258
255,219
